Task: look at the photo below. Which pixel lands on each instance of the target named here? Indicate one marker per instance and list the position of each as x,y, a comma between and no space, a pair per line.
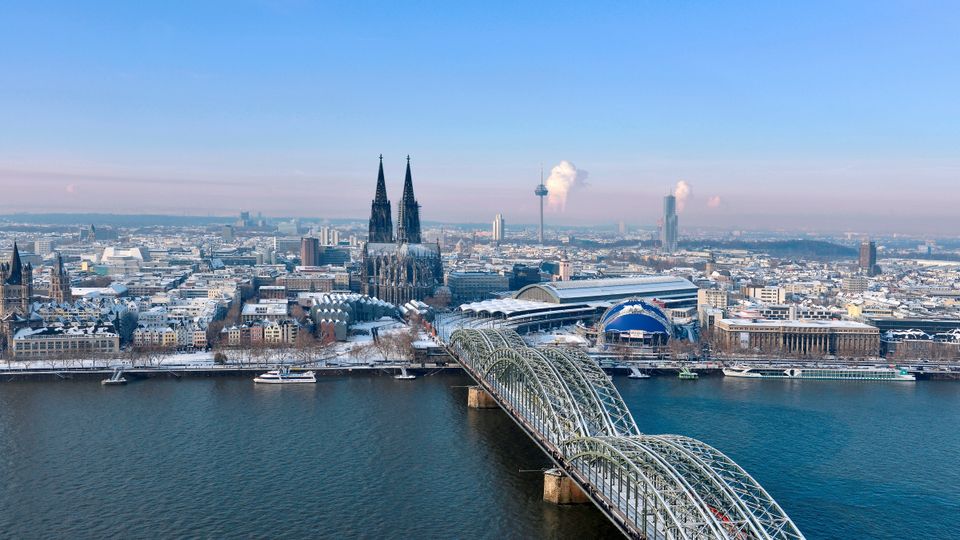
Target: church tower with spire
16,285
60,283
381,223
408,215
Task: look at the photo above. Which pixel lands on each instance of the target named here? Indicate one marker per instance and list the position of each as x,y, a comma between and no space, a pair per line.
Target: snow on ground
338,353
385,323
200,358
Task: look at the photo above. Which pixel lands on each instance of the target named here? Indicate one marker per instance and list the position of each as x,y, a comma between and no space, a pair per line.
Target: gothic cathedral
402,269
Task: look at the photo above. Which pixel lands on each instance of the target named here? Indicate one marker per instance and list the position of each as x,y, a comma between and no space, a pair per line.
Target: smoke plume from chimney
682,192
564,177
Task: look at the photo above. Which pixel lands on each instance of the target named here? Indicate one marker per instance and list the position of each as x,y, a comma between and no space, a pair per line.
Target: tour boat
866,373
285,376
688,375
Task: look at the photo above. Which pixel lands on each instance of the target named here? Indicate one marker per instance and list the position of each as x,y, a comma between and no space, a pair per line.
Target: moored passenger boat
866,373
285,376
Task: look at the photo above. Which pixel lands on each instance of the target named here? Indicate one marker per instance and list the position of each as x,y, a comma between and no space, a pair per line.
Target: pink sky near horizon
825,116
751,195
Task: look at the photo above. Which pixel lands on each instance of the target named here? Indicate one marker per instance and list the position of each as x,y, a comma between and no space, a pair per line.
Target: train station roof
592,290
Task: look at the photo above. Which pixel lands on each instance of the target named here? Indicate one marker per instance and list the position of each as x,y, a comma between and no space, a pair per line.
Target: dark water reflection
372,457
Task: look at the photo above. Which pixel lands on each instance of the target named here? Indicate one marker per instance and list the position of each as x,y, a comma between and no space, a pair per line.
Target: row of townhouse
170,336
283,332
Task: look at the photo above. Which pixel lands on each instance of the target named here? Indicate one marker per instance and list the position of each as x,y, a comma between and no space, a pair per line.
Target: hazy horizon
816,116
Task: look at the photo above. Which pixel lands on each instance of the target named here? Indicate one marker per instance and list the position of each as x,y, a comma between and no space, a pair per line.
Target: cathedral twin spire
408,213
381,224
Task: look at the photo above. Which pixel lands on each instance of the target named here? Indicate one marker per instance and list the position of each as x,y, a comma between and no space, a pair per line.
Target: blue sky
843,114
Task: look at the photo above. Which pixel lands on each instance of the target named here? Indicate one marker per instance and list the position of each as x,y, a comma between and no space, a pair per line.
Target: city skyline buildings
669,230
855,135
497,233
868,257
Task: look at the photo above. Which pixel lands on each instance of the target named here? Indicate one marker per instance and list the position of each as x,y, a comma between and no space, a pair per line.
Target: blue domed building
634,322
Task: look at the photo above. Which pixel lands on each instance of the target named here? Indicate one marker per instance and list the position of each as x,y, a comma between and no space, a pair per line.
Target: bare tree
415,324
259,352
298,313
402,344
242,354
233,315
326,334
151,355
384,346
126,325
213,332
361,351
305,347
681,349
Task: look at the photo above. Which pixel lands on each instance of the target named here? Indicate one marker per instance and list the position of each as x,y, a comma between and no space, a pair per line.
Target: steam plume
713,202
682,192
564,177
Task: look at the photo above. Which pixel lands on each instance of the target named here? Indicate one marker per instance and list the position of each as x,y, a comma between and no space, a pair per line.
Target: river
372,457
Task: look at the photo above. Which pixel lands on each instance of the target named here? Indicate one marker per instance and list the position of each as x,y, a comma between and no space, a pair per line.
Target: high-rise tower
309,251
541,192
408,215
381,223
498,228
868,258
668,235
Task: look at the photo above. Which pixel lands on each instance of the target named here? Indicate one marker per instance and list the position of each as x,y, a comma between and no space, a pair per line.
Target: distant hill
798,249
116,220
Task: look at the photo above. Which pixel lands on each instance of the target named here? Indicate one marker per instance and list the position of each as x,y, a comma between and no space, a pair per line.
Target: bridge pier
558,488
478,398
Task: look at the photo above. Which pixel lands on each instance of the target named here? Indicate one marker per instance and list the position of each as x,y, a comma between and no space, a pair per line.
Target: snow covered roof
776,323
600,289
265,309
506,306
59,331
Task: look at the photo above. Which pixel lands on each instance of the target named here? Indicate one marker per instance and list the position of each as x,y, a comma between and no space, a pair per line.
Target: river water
372,457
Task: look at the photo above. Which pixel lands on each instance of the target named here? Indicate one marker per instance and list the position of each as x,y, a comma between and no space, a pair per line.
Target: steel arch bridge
649,486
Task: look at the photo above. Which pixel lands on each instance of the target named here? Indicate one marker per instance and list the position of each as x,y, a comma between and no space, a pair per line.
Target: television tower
541,192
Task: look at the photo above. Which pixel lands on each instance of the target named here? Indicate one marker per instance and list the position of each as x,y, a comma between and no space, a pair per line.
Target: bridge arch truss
650,486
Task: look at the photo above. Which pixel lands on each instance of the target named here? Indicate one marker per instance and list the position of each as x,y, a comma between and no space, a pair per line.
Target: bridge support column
478,398
558,488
